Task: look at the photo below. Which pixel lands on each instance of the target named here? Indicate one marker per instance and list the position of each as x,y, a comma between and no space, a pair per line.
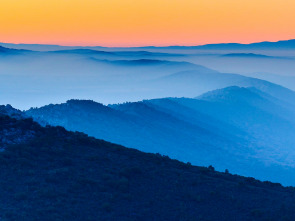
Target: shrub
211,168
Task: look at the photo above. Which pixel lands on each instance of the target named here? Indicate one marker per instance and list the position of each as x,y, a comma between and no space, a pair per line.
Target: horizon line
144,46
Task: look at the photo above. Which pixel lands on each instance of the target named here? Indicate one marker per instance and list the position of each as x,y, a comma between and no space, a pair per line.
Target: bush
211,168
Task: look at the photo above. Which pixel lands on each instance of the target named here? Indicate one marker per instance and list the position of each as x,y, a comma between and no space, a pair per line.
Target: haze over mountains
119,75
284,44
246,120
188,112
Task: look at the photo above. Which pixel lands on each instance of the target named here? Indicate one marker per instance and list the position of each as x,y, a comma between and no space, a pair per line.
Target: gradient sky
145,22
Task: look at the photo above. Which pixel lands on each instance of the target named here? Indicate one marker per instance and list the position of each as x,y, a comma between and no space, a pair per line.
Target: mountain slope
60,175
269,120
240,129
199,81
11,51
132,124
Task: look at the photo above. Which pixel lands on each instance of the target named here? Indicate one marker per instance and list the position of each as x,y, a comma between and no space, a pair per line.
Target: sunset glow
145,22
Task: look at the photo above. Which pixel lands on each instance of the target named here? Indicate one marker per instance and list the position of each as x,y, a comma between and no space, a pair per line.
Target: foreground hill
60,175
244,130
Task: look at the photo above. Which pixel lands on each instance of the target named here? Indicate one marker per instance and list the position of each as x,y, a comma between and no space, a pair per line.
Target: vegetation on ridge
61,175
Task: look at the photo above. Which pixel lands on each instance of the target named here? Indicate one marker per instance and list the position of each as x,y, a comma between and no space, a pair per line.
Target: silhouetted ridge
7,50
134,108
76,103
237,128
145,62
8,110
84,51
247,55
84,103
284,44
11,50
144,53
233,94
2,49
60,175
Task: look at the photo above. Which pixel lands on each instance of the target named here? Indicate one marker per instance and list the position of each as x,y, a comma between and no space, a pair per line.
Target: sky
145,22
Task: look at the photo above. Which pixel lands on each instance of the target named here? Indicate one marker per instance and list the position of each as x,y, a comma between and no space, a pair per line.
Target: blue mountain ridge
243,129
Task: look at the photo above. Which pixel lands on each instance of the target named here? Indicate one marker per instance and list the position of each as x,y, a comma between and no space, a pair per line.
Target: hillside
136,125
60,175
244,130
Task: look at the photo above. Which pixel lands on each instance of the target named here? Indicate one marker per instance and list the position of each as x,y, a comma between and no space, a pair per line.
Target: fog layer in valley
30,78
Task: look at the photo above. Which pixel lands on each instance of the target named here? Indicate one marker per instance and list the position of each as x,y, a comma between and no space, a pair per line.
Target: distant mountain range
47,173
287,44
279,45
246,55
111,77
223,107
245,130
7,51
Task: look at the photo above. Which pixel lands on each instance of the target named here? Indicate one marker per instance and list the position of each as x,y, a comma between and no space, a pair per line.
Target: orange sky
145,22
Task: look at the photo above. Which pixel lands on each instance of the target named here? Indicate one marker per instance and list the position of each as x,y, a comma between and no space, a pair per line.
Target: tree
211,168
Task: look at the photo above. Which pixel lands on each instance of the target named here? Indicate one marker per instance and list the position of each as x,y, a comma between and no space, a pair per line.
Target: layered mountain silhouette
111,77
242,129
48,173
10,51
180,109
203,80
119,54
